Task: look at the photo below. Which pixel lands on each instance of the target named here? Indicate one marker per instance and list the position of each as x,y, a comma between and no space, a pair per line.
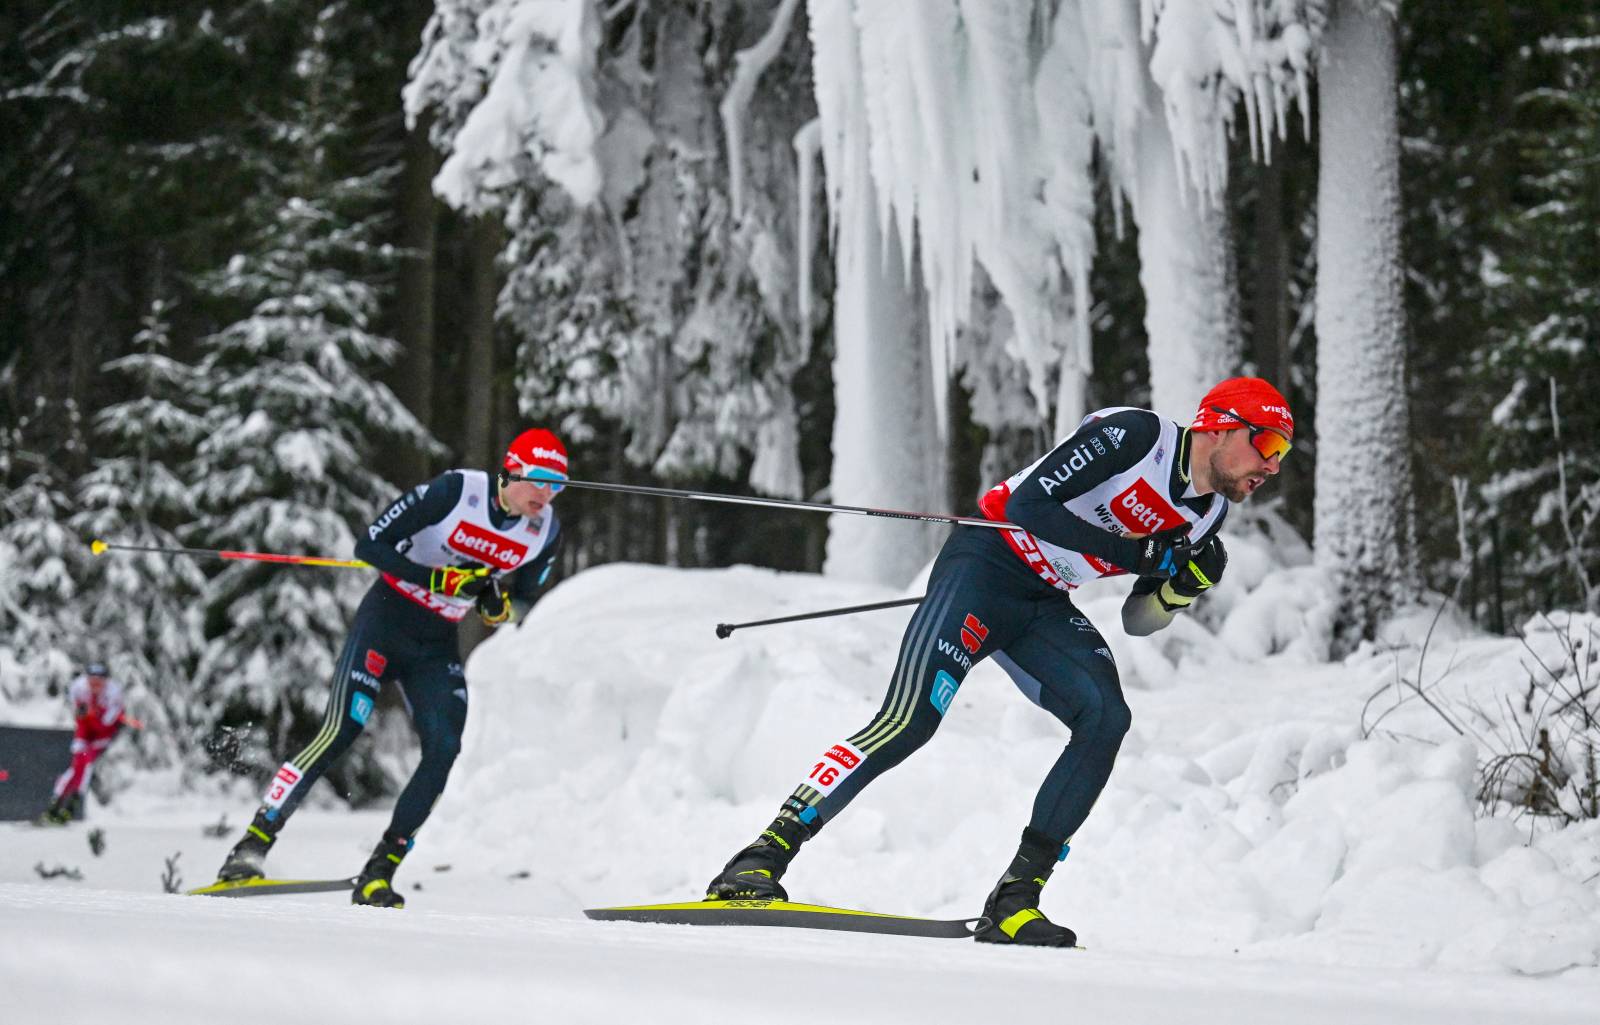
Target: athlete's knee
1102,721
1116,720
440,749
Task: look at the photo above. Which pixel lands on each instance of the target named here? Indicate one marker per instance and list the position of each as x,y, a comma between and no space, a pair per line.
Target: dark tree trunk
413,375
1270,322
478,446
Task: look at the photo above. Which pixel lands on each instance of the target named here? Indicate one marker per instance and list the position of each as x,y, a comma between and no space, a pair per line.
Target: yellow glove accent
1171,600
451,580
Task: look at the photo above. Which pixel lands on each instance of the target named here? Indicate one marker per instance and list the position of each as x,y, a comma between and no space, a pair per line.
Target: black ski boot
250,853
374,886
58,814
753,873
1011,914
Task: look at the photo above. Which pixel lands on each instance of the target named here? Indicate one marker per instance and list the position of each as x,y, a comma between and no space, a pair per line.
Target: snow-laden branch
534,61
807,148
749,64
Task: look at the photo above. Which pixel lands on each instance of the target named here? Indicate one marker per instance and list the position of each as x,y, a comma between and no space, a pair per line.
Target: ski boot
374,885
753,873
250,853
1011,914
58,814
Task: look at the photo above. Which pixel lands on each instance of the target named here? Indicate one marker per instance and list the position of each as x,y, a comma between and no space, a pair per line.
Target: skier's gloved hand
494,605
1163,553
1207,562
458,582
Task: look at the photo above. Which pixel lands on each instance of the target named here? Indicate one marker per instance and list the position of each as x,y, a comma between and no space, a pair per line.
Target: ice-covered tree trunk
1363,483
1186,268
886,446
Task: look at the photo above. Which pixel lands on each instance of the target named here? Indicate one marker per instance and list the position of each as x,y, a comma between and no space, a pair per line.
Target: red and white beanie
1251,398
537,449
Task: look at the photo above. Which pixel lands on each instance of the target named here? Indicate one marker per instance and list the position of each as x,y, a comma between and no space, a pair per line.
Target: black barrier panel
30,761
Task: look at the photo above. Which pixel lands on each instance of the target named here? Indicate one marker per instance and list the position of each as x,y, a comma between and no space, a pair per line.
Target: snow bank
618,747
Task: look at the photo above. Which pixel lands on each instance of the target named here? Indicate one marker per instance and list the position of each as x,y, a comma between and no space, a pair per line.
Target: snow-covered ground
1253,859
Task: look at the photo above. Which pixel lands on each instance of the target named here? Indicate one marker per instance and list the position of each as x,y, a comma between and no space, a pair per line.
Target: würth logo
1142,511
375,662
973,633
499,552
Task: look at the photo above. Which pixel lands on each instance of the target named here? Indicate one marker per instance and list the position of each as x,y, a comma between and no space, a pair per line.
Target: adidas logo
1115,434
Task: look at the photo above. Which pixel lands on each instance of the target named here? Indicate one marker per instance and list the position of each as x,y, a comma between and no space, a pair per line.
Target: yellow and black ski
264,887
786,915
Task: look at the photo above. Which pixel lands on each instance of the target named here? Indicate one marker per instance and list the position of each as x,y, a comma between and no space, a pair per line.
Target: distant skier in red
99,712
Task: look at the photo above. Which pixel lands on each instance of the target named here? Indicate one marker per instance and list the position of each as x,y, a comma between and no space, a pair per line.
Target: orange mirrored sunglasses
1266,441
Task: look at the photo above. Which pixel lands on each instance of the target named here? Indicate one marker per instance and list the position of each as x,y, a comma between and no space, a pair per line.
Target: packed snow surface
1254,858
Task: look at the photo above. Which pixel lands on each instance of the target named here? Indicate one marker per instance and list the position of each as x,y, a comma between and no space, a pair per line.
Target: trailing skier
461,542
98,716
1129,492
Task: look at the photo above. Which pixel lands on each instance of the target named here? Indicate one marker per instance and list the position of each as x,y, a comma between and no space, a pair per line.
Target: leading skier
1129,492
462,541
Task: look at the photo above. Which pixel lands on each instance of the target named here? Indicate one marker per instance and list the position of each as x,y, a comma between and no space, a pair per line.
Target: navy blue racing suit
987,598
395,640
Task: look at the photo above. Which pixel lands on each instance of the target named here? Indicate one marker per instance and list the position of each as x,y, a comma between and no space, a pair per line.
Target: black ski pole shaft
724,629
779,503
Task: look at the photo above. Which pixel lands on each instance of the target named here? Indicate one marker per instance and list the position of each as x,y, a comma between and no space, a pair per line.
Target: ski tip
97,546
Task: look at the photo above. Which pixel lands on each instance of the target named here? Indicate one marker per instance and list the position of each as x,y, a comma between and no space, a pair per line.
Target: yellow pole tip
97,546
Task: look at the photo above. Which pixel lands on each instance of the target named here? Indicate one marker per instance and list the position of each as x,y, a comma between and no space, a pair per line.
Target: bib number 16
834,767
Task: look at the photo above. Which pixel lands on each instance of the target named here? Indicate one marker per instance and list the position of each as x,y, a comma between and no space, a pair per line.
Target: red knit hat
1251,398
537,450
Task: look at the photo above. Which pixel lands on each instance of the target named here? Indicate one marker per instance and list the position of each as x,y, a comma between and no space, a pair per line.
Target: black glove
459,582
1163,553
1207,561
494,605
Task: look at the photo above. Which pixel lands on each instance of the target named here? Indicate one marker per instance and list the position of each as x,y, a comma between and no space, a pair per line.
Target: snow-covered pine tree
294,415
43,565
142,610
1542,361
1364,516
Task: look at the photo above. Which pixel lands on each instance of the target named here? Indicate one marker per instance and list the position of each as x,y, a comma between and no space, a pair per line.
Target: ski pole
776,503
724,629
99,547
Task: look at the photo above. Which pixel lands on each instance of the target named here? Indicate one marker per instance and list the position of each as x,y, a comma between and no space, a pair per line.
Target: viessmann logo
551,454
499,552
